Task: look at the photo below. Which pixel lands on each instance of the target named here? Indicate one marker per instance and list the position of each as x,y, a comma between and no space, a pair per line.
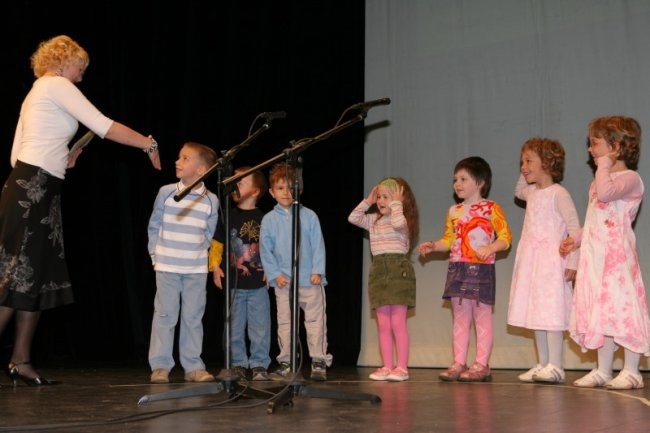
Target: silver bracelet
151,149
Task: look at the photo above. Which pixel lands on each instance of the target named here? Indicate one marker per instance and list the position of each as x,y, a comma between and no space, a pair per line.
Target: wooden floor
121,400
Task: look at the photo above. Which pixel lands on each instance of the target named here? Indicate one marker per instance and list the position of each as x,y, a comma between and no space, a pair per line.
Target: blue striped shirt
180,232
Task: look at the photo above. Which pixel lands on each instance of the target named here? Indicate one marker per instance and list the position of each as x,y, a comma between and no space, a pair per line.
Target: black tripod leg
283,398
212,388
320,392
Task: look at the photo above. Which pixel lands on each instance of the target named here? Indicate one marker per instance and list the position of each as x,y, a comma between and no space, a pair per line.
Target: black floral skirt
33,271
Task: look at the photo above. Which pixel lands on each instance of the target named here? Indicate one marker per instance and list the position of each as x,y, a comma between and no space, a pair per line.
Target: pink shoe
453,372
478,373
380,374
398,374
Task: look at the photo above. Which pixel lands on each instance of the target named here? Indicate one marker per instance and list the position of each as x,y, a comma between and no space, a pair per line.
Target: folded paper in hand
83,141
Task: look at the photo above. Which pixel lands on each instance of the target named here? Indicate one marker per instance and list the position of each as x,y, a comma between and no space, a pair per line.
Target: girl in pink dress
540,294
609,305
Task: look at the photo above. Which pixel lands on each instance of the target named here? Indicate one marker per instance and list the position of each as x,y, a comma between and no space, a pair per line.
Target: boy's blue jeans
176,294
250,311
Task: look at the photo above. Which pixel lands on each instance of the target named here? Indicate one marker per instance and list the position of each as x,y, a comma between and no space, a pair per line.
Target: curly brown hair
551,152
410,209
621,130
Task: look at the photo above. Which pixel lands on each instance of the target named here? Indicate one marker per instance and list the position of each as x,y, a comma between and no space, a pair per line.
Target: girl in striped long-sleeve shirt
390,214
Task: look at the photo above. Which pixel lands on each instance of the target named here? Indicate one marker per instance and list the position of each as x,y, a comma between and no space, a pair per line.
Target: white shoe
398,374
593,379
626,379
550,374
381,373
528,376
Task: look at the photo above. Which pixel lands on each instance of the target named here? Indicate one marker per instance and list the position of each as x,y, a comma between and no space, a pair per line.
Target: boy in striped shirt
179,239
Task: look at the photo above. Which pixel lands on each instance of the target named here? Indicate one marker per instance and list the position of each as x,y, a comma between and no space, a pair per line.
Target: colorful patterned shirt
470,227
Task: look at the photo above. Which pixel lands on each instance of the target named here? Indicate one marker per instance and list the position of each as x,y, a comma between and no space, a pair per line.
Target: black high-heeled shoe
14,375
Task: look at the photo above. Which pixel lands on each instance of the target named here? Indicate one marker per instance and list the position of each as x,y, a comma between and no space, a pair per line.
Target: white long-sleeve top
49,118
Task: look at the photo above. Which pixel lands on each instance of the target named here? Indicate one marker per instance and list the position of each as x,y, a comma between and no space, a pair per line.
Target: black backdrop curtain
198,71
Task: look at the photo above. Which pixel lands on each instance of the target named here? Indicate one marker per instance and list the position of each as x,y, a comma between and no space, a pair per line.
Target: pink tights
391,322
464,313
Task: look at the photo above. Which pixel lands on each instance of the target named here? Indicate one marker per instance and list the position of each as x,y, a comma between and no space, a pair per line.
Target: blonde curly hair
54,53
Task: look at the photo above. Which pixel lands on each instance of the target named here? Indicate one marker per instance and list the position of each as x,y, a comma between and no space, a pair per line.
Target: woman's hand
155,159
72,157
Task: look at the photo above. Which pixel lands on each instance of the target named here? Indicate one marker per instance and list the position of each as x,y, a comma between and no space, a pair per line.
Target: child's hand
315,279
372,197
484,252
570,275
398,195
217,275
426,247
281,281
566,246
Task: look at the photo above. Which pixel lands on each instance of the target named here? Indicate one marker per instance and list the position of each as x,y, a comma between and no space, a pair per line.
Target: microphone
272,115
370,104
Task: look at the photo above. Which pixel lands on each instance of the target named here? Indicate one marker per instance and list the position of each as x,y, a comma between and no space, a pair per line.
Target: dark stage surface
106,400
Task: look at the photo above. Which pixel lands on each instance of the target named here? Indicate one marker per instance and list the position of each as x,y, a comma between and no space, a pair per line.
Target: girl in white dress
540,293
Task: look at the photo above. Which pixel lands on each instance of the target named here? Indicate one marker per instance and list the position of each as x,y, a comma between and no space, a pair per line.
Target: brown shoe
199,376
453,372
159,375
478,373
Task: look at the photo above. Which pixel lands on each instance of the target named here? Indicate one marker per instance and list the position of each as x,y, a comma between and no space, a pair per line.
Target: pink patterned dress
540,297
610,297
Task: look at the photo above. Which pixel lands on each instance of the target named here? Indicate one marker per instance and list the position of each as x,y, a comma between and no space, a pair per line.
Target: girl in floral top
476,229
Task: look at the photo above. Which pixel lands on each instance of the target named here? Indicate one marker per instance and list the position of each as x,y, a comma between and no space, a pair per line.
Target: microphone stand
226,378
284,397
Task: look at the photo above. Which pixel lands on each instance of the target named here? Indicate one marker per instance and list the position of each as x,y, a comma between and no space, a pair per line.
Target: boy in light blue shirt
276,251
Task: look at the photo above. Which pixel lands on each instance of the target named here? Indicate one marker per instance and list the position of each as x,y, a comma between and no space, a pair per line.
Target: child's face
281,192
189,167
466,188
531,167
384,197
598,147
246,189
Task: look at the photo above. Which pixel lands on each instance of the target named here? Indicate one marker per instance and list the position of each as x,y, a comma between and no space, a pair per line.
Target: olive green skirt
391,281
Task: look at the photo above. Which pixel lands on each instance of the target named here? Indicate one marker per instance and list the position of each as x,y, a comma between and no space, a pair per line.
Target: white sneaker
626,379
528,376
593,379
550,374
398,374
381,373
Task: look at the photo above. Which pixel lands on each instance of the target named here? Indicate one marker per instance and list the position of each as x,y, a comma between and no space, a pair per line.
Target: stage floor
102,400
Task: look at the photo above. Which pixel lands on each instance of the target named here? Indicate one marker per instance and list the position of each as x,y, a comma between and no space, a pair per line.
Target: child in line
393,225
250,312
179,239
609,305
540,293
475,230
276,251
